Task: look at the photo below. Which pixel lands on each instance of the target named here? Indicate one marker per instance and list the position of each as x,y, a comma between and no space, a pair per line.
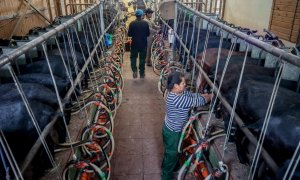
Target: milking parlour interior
149,89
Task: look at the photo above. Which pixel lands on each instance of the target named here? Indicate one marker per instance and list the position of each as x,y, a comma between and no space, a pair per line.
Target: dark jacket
139,31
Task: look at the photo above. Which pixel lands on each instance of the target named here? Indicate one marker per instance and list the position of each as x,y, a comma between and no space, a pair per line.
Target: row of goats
76,72
249,78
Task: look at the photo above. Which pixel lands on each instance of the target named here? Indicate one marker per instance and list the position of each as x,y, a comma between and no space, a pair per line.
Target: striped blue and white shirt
178,107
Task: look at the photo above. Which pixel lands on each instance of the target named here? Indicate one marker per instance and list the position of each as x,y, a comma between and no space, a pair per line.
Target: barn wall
74,7
285,21
254,14
10,12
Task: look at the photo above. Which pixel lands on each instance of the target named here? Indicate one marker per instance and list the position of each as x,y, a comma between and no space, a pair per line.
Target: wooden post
58,7
220,9
215,9
298,40
80,5
71,6
294,18
49,10
55,9
223,9
66,10
85,1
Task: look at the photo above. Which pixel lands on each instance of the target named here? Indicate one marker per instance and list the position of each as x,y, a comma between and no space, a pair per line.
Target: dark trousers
149,44
171,156
134,53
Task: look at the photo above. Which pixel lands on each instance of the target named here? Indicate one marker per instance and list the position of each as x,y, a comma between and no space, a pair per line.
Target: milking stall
74,106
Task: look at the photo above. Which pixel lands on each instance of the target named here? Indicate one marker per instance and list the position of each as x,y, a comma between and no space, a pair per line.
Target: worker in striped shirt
178,104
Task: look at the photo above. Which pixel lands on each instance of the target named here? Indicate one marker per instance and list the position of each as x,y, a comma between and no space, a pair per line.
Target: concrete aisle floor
138,126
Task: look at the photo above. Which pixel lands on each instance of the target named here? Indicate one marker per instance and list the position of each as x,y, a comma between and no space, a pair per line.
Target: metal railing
281,54
94,12
74,8
207,6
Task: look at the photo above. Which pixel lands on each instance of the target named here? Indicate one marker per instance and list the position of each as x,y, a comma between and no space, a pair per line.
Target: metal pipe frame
47,129
269,160
193,3
79,4
295,60
7,58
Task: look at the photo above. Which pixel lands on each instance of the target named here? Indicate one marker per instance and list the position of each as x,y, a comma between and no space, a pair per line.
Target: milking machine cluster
91,61
97,144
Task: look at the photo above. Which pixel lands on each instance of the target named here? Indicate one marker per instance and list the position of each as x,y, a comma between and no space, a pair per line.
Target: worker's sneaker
134,75
142,75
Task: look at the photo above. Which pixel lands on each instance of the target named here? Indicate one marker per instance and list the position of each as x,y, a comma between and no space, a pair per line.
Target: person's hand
208,97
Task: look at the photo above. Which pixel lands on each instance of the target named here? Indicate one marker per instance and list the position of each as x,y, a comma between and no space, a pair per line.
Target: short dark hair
174,78
148,11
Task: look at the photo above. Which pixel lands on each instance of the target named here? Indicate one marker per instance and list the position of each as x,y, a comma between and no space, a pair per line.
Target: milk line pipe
47,129
269,160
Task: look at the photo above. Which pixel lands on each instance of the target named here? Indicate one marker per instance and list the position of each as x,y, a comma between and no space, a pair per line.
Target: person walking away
139,31
153,29
178,104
